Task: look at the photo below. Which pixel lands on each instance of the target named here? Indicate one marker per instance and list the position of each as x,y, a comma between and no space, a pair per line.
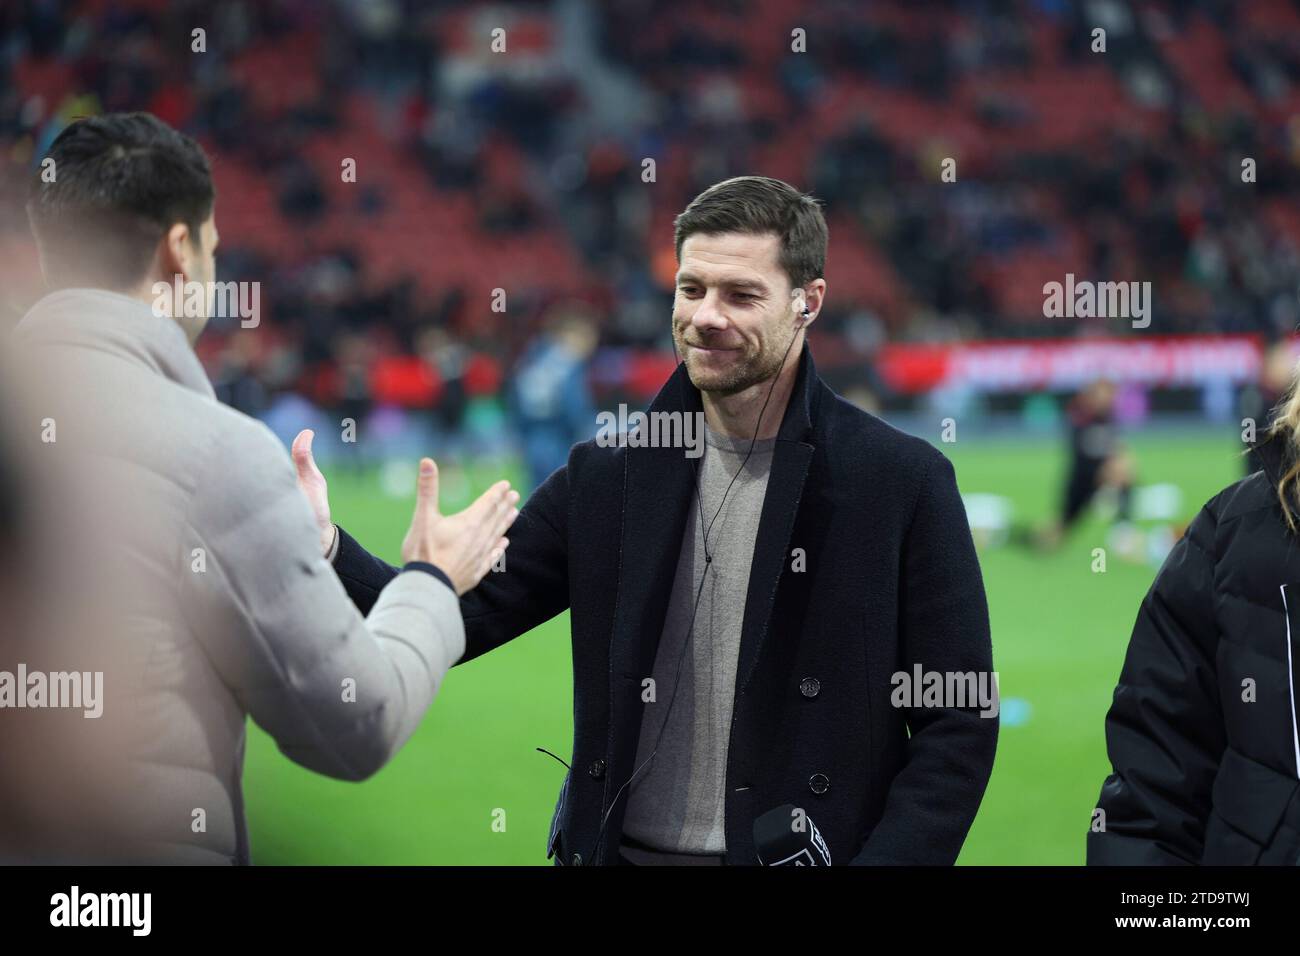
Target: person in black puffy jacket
1202,733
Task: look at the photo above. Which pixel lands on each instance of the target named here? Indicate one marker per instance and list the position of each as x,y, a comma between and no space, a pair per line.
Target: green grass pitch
469,788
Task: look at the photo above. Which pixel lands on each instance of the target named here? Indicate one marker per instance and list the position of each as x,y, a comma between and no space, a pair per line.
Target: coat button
810,687
577,859
597,769
819,783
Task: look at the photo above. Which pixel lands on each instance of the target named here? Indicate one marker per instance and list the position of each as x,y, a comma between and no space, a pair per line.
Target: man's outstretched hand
463,545
312,483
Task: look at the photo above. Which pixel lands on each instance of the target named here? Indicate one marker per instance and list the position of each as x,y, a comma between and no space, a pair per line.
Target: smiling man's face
733,313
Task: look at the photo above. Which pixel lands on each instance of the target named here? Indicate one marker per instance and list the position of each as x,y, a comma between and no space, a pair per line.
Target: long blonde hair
1286,429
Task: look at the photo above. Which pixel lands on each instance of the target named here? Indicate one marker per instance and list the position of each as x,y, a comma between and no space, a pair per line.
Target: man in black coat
841,578
1202,732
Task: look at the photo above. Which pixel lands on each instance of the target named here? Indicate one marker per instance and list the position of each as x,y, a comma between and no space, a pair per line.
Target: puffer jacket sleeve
339,693
1164,730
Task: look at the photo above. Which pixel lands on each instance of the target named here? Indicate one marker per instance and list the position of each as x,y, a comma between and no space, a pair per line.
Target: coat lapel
657,488
790,461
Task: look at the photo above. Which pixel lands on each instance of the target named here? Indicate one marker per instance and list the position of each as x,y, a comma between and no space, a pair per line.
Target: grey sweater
676,802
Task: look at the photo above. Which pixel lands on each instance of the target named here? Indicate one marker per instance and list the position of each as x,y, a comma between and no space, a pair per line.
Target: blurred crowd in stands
514,206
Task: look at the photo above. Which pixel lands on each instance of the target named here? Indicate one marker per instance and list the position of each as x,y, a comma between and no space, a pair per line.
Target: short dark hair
759,205
120,181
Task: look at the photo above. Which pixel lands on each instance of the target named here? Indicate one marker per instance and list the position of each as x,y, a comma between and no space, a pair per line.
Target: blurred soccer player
196,566
550,401
1098,460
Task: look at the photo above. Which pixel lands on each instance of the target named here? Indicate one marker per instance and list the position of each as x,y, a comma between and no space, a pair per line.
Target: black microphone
787,837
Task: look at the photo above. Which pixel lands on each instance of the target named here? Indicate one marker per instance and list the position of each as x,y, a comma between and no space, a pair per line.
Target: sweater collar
98,318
